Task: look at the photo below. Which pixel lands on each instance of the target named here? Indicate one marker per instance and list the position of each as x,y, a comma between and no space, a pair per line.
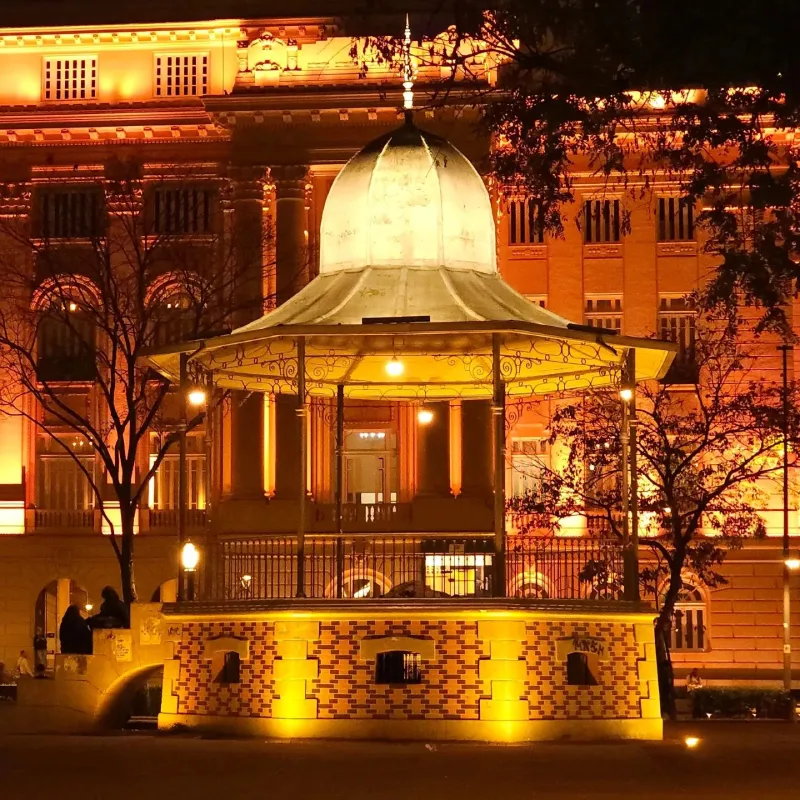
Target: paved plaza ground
752,761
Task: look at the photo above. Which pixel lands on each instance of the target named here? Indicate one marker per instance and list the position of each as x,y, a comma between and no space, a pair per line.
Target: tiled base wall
473,671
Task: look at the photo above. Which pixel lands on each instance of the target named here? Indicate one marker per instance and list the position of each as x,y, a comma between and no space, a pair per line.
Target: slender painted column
302,413
499,464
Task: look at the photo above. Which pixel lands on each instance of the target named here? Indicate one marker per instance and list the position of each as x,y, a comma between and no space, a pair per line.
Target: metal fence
365,566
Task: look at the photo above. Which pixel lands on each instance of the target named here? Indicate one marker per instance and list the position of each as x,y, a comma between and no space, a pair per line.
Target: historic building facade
259,116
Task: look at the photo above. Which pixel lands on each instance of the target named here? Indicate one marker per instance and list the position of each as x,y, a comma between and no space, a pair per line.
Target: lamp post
190,557
785,349
195,396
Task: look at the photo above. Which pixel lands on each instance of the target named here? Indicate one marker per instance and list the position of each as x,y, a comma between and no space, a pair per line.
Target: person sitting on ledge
113,612
75,633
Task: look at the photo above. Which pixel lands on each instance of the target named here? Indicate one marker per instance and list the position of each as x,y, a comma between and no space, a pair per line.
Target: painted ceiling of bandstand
408,273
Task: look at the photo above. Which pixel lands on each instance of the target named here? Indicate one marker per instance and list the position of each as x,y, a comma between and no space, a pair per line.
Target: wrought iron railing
363,566
564,568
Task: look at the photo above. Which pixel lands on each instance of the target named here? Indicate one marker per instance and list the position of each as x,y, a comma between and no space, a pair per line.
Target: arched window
360,584
531,586
173,315
65,342
689,620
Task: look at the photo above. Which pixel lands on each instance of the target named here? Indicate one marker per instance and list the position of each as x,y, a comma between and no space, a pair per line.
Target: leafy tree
706,454
706,93
90,281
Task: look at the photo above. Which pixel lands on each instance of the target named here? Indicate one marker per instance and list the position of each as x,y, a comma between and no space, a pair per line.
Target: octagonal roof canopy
408,275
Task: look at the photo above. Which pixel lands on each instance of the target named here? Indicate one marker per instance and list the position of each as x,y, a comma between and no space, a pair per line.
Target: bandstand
409,308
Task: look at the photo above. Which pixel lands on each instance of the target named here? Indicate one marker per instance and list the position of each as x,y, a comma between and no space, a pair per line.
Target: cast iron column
499,451
339,490
302,412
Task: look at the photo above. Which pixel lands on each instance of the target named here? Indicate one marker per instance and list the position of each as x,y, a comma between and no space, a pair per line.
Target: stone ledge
419,730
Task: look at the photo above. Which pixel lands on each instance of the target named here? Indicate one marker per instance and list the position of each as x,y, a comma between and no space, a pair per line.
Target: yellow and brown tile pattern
346,687
293,673
618,692
197,688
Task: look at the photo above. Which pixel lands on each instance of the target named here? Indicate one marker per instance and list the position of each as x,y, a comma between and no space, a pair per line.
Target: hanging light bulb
425,416
395,368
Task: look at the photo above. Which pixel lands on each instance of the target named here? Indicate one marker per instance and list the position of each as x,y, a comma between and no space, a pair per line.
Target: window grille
231,668
182,210
181,76
61,483
70,78
68,214
675,219
579,672
604,312
676,323
601,221
398,666
525,222
688,630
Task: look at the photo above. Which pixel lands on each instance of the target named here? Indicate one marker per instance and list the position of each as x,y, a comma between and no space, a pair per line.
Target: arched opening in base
134,700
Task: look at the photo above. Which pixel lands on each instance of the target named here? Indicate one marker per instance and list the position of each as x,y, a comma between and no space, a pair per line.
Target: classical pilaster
476,464
433,452
291,242
244,448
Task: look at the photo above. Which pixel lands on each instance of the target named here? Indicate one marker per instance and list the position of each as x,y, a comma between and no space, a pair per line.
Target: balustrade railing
161,518
58,518
410,565
364,517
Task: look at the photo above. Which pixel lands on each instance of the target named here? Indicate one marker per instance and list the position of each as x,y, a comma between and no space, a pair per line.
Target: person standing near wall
23,667
39,650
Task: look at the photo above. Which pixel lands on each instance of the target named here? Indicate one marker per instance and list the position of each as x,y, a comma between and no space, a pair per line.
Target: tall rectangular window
601,221
604,312
71,213
182,211
164,490
525,222
61,481
529,462
70,78
676,323
181,76
675,219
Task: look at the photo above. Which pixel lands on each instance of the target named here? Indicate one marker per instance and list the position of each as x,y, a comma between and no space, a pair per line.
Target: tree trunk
127,516
666,674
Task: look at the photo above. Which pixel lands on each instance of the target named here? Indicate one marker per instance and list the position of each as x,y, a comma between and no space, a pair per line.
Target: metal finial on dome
408,72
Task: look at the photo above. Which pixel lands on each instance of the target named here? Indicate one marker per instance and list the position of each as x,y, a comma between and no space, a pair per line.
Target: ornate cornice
290,181
15,199
246,184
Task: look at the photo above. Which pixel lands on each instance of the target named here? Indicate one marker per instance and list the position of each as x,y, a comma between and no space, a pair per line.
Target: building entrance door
370,467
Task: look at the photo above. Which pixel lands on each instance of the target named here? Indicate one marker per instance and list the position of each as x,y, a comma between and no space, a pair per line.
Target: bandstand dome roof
408,199
408,270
